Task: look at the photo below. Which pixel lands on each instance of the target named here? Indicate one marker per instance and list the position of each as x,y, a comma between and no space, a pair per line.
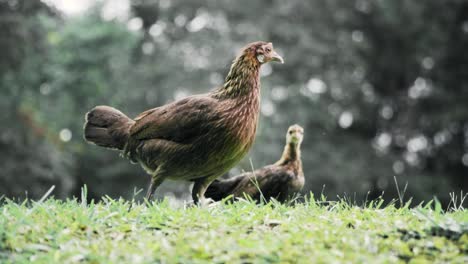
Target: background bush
379,86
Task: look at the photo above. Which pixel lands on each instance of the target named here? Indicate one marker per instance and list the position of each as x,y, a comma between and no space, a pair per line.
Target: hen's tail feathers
107,127
220,189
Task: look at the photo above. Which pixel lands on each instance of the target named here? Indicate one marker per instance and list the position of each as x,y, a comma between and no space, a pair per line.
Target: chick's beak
276,57
296,137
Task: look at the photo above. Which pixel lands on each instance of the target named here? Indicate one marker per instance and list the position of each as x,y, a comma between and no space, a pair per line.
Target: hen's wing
181,121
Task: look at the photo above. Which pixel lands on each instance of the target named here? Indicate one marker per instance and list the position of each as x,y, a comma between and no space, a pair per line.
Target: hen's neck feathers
240,99
243,78
291,155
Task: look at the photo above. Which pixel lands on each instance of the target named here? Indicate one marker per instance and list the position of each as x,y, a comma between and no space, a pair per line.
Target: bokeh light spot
65,135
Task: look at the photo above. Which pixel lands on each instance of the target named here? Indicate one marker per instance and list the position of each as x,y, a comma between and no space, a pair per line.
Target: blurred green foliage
379,86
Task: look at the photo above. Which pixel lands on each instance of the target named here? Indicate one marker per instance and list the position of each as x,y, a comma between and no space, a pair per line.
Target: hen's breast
226,141
240,123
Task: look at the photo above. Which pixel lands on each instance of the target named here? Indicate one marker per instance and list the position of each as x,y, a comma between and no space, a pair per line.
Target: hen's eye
268,49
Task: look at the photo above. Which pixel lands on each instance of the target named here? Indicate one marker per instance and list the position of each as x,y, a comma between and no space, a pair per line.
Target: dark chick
197,138
280,181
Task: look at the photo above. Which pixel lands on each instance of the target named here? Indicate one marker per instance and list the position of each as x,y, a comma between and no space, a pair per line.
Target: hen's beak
276,57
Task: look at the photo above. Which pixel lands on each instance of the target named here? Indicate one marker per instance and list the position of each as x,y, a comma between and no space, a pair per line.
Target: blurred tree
29,150
380,86
89,65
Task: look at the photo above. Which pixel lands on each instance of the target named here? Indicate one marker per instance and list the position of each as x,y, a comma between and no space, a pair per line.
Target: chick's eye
290,132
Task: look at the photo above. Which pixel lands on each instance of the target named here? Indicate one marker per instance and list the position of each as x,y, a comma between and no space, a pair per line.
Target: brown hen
197,138
280,181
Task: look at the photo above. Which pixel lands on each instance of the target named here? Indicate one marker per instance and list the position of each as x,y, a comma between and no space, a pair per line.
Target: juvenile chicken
280,181
197,138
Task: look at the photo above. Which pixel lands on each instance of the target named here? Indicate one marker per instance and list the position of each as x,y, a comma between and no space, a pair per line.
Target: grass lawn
119,231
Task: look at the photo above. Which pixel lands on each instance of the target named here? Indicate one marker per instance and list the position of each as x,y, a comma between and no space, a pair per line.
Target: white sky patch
359,73
398,167
382,183
135,24
279,93
266,70
111,8
65,135
165,4
71,7
363,6
428,63
334,109
357,36
346,119
412,158
147,48
442,137
417,144
386,112
157,29
199,22
336,92
420,88
368,92
180,93
383,141
116,9
216,78
267,108
180,20
206,51
316,86
465,27
465,159
45,89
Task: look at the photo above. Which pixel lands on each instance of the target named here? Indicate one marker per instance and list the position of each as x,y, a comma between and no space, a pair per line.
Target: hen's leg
154,183
199,189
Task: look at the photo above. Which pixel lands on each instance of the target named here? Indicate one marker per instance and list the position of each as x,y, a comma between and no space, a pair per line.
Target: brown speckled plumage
197,138
280,181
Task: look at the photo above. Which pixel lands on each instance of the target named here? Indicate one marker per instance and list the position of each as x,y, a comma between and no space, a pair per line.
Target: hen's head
262,52
295,135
